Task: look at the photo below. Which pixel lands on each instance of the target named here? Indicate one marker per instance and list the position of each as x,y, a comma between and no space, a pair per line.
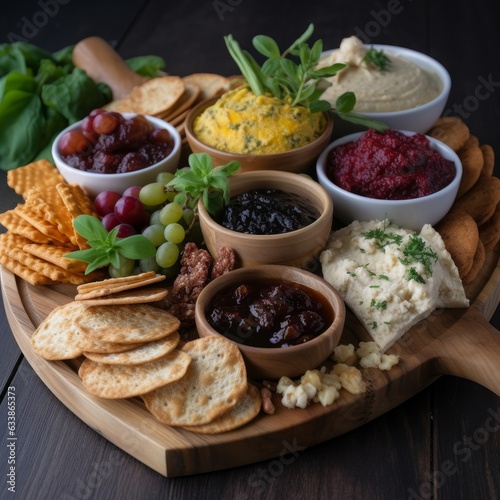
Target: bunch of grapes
151,211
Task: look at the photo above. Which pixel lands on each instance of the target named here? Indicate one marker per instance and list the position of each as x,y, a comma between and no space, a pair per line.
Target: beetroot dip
390,166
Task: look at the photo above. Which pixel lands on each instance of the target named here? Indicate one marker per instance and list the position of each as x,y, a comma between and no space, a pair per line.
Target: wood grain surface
457,342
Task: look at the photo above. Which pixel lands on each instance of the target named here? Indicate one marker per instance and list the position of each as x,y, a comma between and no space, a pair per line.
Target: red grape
125,230
109,221
105,123
105,201
132,191
130,210
73,142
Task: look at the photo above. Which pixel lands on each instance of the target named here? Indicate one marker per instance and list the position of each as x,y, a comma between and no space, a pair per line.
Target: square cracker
41,173
17,225
56,255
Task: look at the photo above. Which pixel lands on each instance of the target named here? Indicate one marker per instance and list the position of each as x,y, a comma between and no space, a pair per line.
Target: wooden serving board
458,342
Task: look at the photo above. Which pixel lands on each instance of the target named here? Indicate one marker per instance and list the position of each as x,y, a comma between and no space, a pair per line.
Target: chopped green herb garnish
412,274
383,277
416,250
374,325
378,58
351,273
378,305
382,237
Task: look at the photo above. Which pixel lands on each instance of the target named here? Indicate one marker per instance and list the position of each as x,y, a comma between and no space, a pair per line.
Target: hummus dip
403,85
391,278
243,123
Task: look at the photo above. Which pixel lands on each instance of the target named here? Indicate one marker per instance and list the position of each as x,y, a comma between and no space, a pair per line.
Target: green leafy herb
378,305
378,58
417,250
300,80
382,237
412,274
105,247
203,181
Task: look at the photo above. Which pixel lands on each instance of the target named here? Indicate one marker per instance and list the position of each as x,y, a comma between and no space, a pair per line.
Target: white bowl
93,183
410,214
418,119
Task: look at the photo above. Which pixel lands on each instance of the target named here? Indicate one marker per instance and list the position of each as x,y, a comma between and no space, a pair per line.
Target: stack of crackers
472,226
135,350
40,230
171,97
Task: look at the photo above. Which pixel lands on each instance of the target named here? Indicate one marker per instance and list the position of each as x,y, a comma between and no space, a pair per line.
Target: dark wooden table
441,443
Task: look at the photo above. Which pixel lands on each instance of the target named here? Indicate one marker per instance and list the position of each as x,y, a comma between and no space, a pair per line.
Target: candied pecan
224,263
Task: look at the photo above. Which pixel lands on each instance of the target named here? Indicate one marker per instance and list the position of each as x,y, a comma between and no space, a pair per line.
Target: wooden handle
472,352
103,64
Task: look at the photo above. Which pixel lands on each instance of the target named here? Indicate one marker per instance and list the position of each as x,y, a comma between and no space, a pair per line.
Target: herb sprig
203,181
105,247
378,58
417,251
301,82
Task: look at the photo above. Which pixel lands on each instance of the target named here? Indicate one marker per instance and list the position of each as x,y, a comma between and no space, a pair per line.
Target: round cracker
125,381
156,96
460,236
125,323
57,337
215,381
191,94
477,263
245,410
472,161
450,130
488,159
210,84
145,353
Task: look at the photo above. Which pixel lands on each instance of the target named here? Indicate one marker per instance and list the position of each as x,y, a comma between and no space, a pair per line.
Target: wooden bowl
297,160
298,248
273,363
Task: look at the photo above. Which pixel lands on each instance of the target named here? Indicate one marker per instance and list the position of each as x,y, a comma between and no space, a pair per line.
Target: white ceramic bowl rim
157,122
416,57
335,313
434,144
271,237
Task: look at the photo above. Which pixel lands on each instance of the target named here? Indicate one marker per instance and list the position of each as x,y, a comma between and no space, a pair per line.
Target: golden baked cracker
211,84
157,95
41,266
477,263
125,381
12,240
191,94
27,213
56,255
450,130
111,289
481,200
489,232
472,141
56,337
179,119
48,204
245,410
215,381
110,282
27,274
488,159
90,345
145,353
40,173
142,296
16,224
126,323
77,203
472,163
460,236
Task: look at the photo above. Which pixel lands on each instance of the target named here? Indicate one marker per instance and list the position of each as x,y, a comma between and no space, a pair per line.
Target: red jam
390,166
108,143
269,314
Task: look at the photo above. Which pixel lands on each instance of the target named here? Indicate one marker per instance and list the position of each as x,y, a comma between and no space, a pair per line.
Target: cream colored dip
403,85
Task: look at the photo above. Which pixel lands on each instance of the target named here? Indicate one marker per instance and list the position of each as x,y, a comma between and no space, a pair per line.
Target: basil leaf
302,39
345,102
88,255
98,262
135,247
90,228
266,46
361,120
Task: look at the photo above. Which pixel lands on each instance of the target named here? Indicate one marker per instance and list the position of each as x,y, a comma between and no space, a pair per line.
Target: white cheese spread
391,278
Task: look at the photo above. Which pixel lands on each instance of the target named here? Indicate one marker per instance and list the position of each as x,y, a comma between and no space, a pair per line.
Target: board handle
472,352
103,64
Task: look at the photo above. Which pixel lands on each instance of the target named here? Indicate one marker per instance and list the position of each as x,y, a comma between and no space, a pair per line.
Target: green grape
153,194
155,217
172,212
126,268
149,264
188,216
174,233
170,272
171,195
155,234
167,254
164,177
